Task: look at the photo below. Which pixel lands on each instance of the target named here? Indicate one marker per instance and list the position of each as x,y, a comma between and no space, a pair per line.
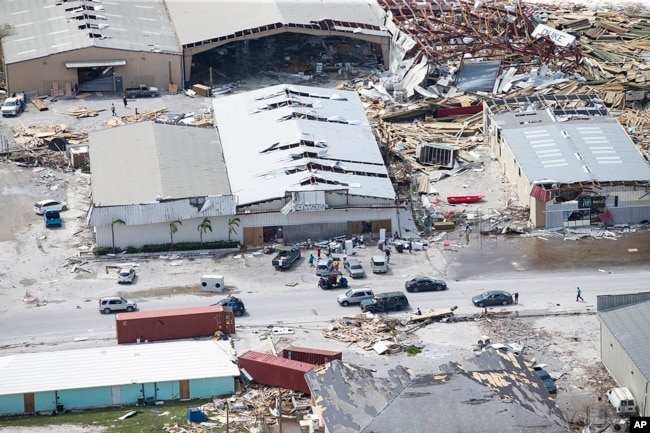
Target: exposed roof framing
453,30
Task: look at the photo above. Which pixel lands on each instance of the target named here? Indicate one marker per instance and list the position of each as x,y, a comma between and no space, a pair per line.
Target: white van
378,264
622,400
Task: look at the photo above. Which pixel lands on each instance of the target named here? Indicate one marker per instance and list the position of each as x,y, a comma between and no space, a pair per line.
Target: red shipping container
275,371
311,356
173,324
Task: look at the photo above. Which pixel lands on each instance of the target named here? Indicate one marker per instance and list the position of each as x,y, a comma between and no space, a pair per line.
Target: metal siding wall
213,386
606,302
130,393
38,74
86,397
44,401
136,236
12,404
621,367
629,215
168,390
315,232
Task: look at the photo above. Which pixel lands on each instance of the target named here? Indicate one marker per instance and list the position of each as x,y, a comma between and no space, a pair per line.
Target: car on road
126,276
41,206
492,297
384,302
354,268
424,284
111,304
235,303
354,296
546,379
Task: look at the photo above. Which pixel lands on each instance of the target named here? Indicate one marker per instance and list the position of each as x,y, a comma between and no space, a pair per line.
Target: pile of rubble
255,410
362,330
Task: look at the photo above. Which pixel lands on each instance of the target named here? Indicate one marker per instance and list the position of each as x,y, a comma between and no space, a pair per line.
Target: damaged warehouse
569,160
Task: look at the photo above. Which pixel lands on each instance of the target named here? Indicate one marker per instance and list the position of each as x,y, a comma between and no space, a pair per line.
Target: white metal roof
139,162
586,149
44,27
115,365
298,138
200,20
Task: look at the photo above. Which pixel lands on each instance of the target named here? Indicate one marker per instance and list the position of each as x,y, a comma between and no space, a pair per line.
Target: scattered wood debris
135,118
82,112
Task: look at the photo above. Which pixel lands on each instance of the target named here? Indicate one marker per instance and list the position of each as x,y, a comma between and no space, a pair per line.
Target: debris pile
256,409
362,330
135,118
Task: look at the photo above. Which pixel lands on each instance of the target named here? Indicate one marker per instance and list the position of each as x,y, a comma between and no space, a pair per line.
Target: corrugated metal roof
138,163
165,211
630,325
594,149
303,138
197,20
44,27
172,312
115,365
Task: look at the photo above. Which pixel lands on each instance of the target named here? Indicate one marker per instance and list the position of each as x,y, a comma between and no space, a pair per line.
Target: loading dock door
253,235
381,224
97,75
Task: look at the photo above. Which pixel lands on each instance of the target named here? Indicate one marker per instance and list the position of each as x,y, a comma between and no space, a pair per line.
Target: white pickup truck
13,106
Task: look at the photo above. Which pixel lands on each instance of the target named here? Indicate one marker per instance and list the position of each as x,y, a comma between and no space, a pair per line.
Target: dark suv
235,303
383,302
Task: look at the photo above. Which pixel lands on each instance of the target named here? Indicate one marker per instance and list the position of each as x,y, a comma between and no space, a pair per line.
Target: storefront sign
309,207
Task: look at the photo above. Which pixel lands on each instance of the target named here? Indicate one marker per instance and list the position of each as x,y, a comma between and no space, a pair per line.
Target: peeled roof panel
247,137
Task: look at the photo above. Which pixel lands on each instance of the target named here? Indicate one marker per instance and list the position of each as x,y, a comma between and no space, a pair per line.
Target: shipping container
311,356
275,371
173,324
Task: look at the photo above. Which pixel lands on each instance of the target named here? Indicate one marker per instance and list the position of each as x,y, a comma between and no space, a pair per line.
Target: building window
197,202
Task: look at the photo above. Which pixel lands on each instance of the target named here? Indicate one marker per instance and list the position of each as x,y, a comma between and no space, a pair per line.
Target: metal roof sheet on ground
303,138
115,365
199,20
44,27
139,162
630,325
594,149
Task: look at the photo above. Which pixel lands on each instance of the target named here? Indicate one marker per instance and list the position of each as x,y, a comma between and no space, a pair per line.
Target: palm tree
203,227
232,224
173,228
115,221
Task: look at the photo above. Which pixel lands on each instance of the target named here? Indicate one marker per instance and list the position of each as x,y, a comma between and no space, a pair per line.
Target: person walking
124,99
516,297
318,252
113,109
388,255
579,295
311,260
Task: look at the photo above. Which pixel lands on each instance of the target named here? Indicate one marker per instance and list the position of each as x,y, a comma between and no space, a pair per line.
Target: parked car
126,276
41,206
110,304
354,296
492,297
546,379
235,303
424,284
354,268
324,266
52,218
